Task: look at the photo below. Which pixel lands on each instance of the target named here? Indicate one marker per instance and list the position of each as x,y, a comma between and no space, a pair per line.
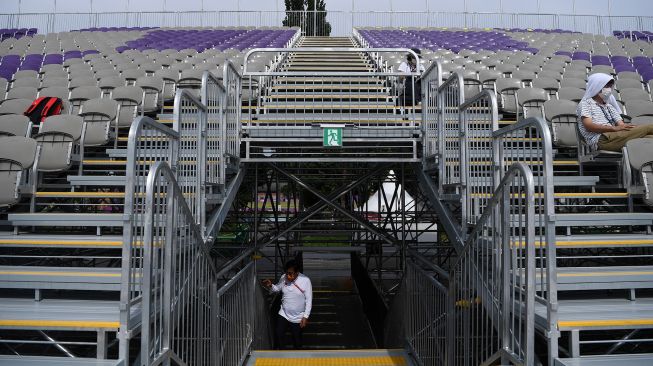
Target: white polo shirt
297,298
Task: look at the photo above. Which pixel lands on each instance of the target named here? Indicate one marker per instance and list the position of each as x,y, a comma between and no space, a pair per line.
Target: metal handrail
449,97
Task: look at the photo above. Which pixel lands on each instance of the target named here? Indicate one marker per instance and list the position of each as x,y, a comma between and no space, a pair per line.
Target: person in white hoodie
599,117
296,304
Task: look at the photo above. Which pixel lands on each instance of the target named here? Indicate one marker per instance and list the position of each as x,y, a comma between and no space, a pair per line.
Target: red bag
43,108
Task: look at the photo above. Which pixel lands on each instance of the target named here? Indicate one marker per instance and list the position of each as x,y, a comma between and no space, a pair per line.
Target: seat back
57,137
640,158
639,108
17,153
98,115
506,89
15,106
561,115
531,102
129,98
151,86
15,125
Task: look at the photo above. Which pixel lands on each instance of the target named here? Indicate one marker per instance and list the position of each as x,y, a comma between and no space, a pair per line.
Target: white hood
595,83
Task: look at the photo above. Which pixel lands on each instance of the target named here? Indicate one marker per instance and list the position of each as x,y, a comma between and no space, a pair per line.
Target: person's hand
303,323
623,127
267,283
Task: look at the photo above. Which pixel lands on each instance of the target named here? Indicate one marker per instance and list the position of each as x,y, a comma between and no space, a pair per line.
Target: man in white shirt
412,93
296,303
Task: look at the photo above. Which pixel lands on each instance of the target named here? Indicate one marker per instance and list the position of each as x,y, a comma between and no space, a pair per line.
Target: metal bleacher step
61,314
604,241
643,359
600,314
375,357
79,194
603,278
66,219
61,241
605,219
60,278
97,180
13,360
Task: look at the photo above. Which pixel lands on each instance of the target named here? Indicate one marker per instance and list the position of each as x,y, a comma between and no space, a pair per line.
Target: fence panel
529,142
149,142
431,80
189,120
479,118
235,317
492,283
213,96
450,95
178,278
232,125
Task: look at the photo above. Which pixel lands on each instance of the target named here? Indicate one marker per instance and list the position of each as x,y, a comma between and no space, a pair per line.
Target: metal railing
478,119
449,97
235,317
168,273
213,96
529,142
291,105
149,142
340,22
418,317
178,278
431,81
492,285
232,114
189,119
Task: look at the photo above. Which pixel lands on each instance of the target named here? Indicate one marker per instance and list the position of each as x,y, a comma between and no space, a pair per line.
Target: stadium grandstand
160,160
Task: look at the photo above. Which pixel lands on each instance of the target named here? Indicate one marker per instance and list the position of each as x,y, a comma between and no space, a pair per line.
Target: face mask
606,93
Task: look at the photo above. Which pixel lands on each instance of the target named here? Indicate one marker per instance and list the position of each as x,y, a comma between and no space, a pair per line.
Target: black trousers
295,331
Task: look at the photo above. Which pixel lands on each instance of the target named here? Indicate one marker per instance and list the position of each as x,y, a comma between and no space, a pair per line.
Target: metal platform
644,359
10,360
330,358
87,315
595,314
60,278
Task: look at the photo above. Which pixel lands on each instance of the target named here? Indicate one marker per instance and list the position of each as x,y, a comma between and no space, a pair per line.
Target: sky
595,7
366,13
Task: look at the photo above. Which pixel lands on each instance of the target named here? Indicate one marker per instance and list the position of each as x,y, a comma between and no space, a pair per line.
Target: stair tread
604,314
642,359
12,360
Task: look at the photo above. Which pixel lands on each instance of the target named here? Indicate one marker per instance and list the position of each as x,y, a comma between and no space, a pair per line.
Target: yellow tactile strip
334,361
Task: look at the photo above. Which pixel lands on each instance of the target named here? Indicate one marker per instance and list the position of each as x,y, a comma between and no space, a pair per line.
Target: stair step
643,359
60,278
603,278
61,241
12,360
66,219
600,314
376,357
58,314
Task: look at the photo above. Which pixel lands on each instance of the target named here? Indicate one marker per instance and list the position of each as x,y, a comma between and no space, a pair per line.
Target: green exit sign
332,136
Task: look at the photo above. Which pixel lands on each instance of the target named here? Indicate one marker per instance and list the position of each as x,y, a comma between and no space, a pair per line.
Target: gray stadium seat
15,106
108,83
506,89
15,125
151,86
549,84
561,115
17,154
57,137
54,81
633,94
573,83
627,83
81,94
98,115
30,82
22,92
570,93
639,108
531,102
640,158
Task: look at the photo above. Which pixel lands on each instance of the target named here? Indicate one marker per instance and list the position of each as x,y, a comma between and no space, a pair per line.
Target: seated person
599,119
414,86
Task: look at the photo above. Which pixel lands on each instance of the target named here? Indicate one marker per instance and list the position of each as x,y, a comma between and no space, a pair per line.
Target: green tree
310,15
